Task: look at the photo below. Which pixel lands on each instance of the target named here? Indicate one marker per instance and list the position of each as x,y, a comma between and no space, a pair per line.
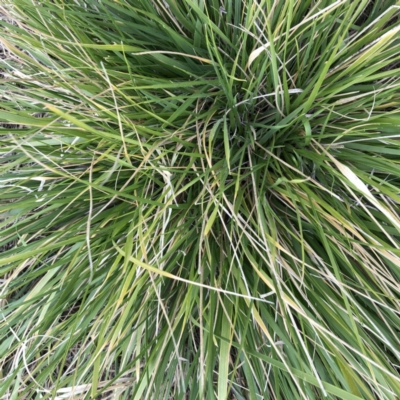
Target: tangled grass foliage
200,199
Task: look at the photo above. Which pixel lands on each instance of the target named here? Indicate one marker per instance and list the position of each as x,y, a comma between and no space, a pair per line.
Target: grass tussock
200,199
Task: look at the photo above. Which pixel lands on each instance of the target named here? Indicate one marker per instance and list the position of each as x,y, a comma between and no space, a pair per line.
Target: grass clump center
200,200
